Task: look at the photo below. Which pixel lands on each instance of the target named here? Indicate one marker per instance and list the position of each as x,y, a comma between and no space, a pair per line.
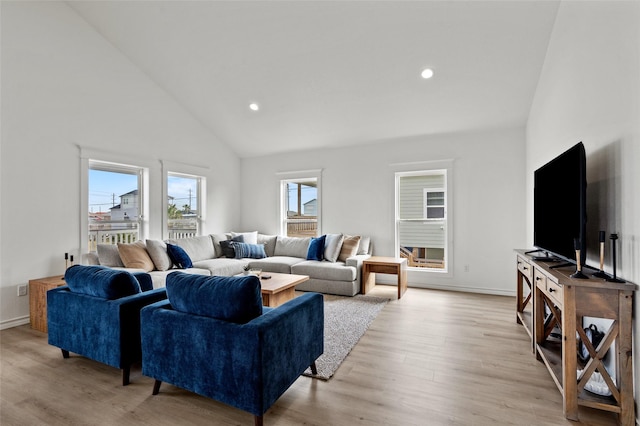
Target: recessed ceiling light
427,73
254,106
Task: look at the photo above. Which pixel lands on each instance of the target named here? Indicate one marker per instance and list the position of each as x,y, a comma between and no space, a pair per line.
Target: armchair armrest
104,330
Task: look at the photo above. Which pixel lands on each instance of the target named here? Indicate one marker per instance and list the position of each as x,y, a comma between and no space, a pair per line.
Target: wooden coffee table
279,288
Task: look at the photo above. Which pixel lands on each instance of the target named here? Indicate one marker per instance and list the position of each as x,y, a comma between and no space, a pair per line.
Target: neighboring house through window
114,203
422,219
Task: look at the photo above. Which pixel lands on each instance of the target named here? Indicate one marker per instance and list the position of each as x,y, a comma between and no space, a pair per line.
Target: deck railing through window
112,232
306,226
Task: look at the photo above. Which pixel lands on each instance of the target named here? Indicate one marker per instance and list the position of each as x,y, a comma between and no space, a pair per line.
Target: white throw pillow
249,237
332,246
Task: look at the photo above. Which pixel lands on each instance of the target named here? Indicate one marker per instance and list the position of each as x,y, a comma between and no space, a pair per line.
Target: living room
69,90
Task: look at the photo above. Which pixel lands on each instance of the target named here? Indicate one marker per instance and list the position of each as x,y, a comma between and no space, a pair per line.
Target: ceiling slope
329,74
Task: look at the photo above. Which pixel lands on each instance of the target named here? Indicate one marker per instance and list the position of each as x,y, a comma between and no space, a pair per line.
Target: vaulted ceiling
334,73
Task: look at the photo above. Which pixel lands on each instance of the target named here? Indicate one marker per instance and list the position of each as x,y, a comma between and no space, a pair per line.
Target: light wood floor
432,358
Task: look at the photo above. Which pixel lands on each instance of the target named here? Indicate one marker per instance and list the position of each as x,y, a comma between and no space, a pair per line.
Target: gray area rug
345,321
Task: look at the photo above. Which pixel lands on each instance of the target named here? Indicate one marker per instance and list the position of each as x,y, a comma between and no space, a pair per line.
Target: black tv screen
560,207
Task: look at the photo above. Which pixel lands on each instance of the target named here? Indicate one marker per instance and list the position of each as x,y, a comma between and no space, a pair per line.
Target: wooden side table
384,265
38,300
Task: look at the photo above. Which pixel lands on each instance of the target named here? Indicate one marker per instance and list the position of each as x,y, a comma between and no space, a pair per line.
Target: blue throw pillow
316,248
179,257
234,299
100,281
250,251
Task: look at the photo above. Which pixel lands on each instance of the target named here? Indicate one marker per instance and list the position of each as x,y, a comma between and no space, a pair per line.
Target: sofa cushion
233,299
198,248
108,255
179,256
280,264
101,281
316,248
159,278
332,246
158,253
349,247
217,238
249,251
292,246
135,255
325,270
222,266
248,237
269,242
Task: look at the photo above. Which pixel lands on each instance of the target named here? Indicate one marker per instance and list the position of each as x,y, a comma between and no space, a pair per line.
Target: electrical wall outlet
22,289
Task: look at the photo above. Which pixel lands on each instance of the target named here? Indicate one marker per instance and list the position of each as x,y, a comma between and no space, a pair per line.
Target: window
434,206
115,203
184,206
422,226
300,206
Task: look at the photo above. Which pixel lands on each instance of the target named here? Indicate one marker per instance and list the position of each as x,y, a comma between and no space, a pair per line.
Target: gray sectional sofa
338,272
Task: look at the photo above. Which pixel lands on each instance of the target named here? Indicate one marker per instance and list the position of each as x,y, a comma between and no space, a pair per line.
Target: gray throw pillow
108,255
158,252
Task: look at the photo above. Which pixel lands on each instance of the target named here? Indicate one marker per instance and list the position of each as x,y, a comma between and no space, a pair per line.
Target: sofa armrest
356,261
104,330
90,258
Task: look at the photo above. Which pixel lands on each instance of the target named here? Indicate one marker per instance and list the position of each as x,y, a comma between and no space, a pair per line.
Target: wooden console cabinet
38,300
542,289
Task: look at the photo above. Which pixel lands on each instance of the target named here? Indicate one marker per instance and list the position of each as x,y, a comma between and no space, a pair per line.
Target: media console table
569,300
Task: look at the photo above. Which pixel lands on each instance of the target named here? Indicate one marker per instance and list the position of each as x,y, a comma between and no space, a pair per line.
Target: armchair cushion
101,281
233,299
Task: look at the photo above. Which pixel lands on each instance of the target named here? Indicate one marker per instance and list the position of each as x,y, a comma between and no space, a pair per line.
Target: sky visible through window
308,193
105,189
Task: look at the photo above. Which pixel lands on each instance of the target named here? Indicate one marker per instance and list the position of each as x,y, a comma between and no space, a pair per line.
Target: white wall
589,91
358,198
64,86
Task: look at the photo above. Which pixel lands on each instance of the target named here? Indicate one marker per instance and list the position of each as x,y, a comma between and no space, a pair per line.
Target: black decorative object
578,273
601,273
614,279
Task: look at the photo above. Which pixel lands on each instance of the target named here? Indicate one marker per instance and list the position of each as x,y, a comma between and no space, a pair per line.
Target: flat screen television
560,206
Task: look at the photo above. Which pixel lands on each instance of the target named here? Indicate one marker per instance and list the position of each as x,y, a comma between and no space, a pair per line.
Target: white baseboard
392,280
14,322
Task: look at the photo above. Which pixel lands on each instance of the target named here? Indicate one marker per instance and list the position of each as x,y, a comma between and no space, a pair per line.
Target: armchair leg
258,420
65,353
156,387
314,370
126,372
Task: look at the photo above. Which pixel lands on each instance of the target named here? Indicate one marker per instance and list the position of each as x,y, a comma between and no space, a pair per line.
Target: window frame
444,167
98,160
170,168
299,176
425,195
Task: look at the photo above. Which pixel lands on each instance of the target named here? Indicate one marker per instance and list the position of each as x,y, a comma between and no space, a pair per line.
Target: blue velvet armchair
213,337
97,315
